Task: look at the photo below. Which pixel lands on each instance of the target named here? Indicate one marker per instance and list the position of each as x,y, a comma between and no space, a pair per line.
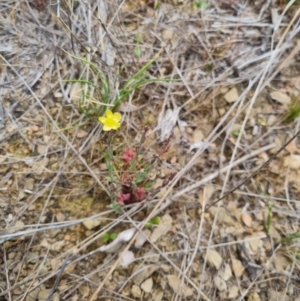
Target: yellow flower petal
111,121
117,116
106,128
102,119
109,114
115,126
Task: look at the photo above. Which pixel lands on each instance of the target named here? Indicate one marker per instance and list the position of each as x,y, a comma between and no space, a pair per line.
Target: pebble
136,291
214,258
220,283
232,95
238,268
226,272
147,285
178,286
84,290
233,292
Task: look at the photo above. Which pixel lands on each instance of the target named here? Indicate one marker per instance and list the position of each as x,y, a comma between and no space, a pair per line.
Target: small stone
152,257
280,97
167,34
223,216
70,268
292,161
178,286
39,166
57,94
44,243
214,258
84,290
35,128
232,95
58,245
91,223
158,297
76,297
272,120
32,295
41,149
198,136
255,297
32,257
233,292
147,285
136,291
11,255
43,294
21,195
55,263
275,234
255,244
60,217
247,220
67,237
166,268
206,195
19,225
220,283
29,184
291,290
281,262
277,295
43,269
127,259
56,297
142,238
81,134
11,128
237,267
226,273
144,273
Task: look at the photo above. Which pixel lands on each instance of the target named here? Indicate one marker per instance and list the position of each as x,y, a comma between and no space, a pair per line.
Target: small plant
107,237
157,5
236,133
292,237
100,90
269,219
153,222
137,49
200,4
291,246
270,210
294,110
129,169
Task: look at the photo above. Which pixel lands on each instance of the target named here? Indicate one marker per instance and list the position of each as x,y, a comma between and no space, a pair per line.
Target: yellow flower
111,121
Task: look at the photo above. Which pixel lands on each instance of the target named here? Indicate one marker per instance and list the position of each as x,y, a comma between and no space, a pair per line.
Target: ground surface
230,74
